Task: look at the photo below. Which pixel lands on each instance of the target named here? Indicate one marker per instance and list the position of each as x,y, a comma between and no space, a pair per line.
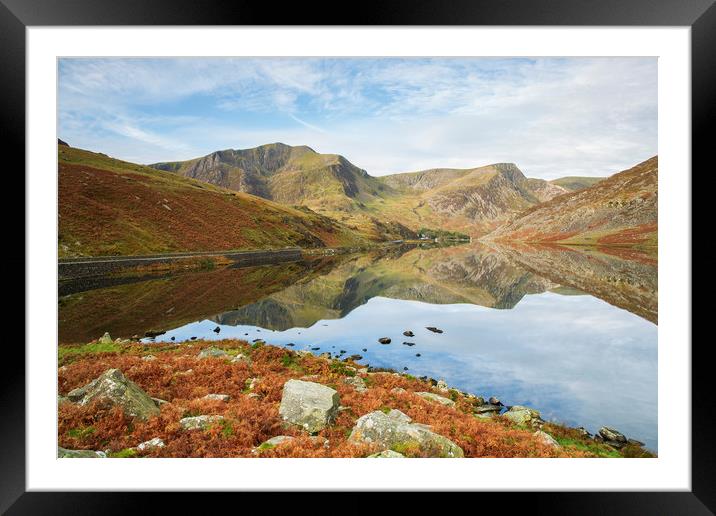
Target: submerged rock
307,404
408,343
436,397
212,353
114,388
393,432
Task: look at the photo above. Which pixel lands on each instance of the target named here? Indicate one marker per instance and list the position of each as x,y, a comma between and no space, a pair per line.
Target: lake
571,332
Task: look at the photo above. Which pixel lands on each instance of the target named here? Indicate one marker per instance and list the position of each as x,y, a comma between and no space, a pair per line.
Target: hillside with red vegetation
618,211
181,379
112,207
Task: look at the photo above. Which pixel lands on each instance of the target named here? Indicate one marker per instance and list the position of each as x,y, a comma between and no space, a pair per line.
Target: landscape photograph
304,257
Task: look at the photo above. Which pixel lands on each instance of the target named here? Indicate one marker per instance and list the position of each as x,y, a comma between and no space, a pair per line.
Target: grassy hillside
472,201
574,183
286,174
619,210
112,207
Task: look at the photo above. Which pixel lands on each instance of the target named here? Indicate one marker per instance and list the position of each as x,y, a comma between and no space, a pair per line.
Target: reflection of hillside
623,277
298,294
167,302
466,274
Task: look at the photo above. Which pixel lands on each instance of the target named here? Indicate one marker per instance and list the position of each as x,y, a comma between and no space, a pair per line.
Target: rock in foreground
523,416
387,454
113,387
310,405
64,453
547,439
613,437
395,431
199,422
436,397
151,444
213,353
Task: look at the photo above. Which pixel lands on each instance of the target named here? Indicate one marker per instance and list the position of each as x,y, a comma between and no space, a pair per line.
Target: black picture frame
17,15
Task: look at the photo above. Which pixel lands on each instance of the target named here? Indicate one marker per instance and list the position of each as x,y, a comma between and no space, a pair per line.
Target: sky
552,117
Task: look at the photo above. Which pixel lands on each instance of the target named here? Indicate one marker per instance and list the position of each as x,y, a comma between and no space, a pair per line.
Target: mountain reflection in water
570,331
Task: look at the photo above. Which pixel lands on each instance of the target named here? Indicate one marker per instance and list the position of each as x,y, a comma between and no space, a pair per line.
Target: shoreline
252,378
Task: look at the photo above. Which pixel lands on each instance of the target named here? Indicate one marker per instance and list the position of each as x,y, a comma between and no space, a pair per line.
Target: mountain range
473,200
278,195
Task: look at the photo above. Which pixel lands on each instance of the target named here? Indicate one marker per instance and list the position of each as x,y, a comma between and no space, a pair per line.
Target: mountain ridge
455,199
113,207
619,210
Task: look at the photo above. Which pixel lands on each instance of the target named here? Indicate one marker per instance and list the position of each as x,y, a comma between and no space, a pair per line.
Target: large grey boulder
437,398
523,416
199,422
310,405
64,453
395,431
113,387
613,437
487,409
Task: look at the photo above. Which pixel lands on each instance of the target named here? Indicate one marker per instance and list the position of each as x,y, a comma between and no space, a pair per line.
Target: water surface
569,332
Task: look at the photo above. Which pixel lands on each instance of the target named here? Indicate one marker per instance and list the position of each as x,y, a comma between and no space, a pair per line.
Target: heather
176,375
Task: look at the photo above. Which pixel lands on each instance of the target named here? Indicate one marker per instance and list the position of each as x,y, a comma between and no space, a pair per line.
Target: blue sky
551,116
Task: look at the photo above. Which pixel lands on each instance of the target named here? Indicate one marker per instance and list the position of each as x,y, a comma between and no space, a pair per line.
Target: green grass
600,450
341,369
66,353
81,433
126,453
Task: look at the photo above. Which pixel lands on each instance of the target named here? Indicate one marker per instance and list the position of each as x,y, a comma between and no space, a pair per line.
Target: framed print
260,258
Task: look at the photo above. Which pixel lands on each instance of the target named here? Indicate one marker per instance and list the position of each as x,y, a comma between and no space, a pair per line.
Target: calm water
571,333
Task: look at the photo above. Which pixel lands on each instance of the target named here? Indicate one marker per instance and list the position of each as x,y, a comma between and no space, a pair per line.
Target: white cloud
552,117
